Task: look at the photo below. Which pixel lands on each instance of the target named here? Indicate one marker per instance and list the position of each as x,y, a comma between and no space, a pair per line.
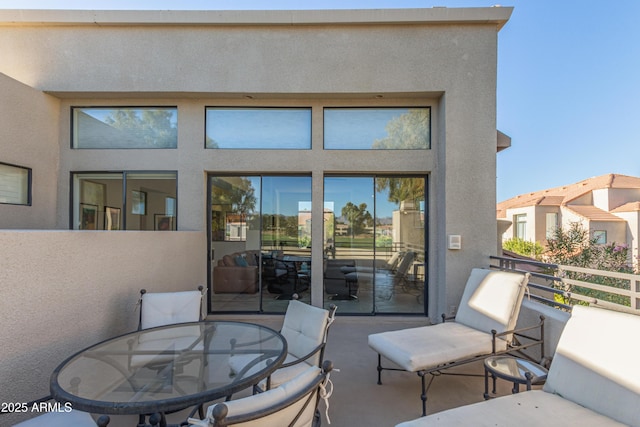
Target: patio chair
165,308
161,309
61,419
389,266
293,404
390,279
484,325
305,328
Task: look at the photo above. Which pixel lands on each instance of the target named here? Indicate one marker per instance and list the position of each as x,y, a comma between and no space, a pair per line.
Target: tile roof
628,207
592,213
560,196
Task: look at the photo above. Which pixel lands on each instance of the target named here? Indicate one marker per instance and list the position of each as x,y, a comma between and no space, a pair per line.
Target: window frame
379,108
124,207
600,237
308,109
29,186
73,133
520,220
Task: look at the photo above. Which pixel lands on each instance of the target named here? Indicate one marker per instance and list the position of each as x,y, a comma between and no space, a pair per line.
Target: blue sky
568,80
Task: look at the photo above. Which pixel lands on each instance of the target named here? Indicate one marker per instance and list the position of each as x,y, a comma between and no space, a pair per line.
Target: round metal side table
513,369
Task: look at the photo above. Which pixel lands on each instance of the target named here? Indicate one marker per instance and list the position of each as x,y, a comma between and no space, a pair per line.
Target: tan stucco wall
444,58
29,121
633,235
531,231
65,290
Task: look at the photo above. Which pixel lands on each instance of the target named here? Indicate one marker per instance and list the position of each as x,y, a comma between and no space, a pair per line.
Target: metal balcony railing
562,286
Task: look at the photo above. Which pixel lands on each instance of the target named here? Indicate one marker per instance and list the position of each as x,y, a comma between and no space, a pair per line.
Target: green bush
523,247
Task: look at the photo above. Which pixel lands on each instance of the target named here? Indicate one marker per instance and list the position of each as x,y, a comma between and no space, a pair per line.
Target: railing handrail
568,284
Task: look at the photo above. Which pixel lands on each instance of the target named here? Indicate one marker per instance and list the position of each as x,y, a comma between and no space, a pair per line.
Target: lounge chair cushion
528,409
491,300
425,347
596,363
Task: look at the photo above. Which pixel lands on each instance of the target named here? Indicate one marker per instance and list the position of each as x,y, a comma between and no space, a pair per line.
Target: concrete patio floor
357,399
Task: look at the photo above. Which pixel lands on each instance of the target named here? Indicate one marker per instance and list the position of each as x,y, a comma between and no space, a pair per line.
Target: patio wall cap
436,15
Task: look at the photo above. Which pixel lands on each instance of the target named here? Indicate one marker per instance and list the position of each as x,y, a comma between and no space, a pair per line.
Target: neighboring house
608,206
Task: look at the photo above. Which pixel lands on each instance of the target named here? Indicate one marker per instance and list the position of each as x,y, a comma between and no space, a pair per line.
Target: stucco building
608,206
144,149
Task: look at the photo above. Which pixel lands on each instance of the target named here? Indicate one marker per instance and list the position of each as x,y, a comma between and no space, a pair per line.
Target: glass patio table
166,369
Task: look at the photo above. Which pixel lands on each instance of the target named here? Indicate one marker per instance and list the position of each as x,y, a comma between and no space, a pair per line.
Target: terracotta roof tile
592,213
628,207
562,195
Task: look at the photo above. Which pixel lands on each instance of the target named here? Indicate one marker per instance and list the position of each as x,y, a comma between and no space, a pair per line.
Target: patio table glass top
166,368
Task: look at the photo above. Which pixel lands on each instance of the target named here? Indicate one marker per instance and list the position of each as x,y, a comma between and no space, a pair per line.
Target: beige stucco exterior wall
610,198
29,121
443,58
65,290
616,231
531,231
633,234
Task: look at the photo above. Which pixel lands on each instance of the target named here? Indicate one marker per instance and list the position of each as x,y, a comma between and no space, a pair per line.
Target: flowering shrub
574,247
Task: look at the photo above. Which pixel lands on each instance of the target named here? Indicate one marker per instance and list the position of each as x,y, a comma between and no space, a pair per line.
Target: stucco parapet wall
437,15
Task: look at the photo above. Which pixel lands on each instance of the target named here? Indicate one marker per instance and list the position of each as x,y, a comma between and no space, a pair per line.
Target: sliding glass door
260,242
373,243
375,262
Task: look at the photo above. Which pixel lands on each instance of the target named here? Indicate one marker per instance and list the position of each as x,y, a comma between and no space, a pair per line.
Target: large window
124,201
377,128
375,245
551,225
141,127
258,128
520,224
260,241
15,185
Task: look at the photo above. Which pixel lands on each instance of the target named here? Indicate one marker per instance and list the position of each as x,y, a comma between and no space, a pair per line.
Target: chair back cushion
252,406
393,261
596,363
165,308
405,263
304,328
491,300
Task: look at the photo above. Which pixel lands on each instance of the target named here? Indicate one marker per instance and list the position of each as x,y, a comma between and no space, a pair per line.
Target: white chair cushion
304,329
281,375
165,308
425,347
261,401
491,300
596,363
60,419
528,409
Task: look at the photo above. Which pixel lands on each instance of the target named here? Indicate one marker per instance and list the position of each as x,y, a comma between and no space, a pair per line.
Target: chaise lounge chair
593,381
484,325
